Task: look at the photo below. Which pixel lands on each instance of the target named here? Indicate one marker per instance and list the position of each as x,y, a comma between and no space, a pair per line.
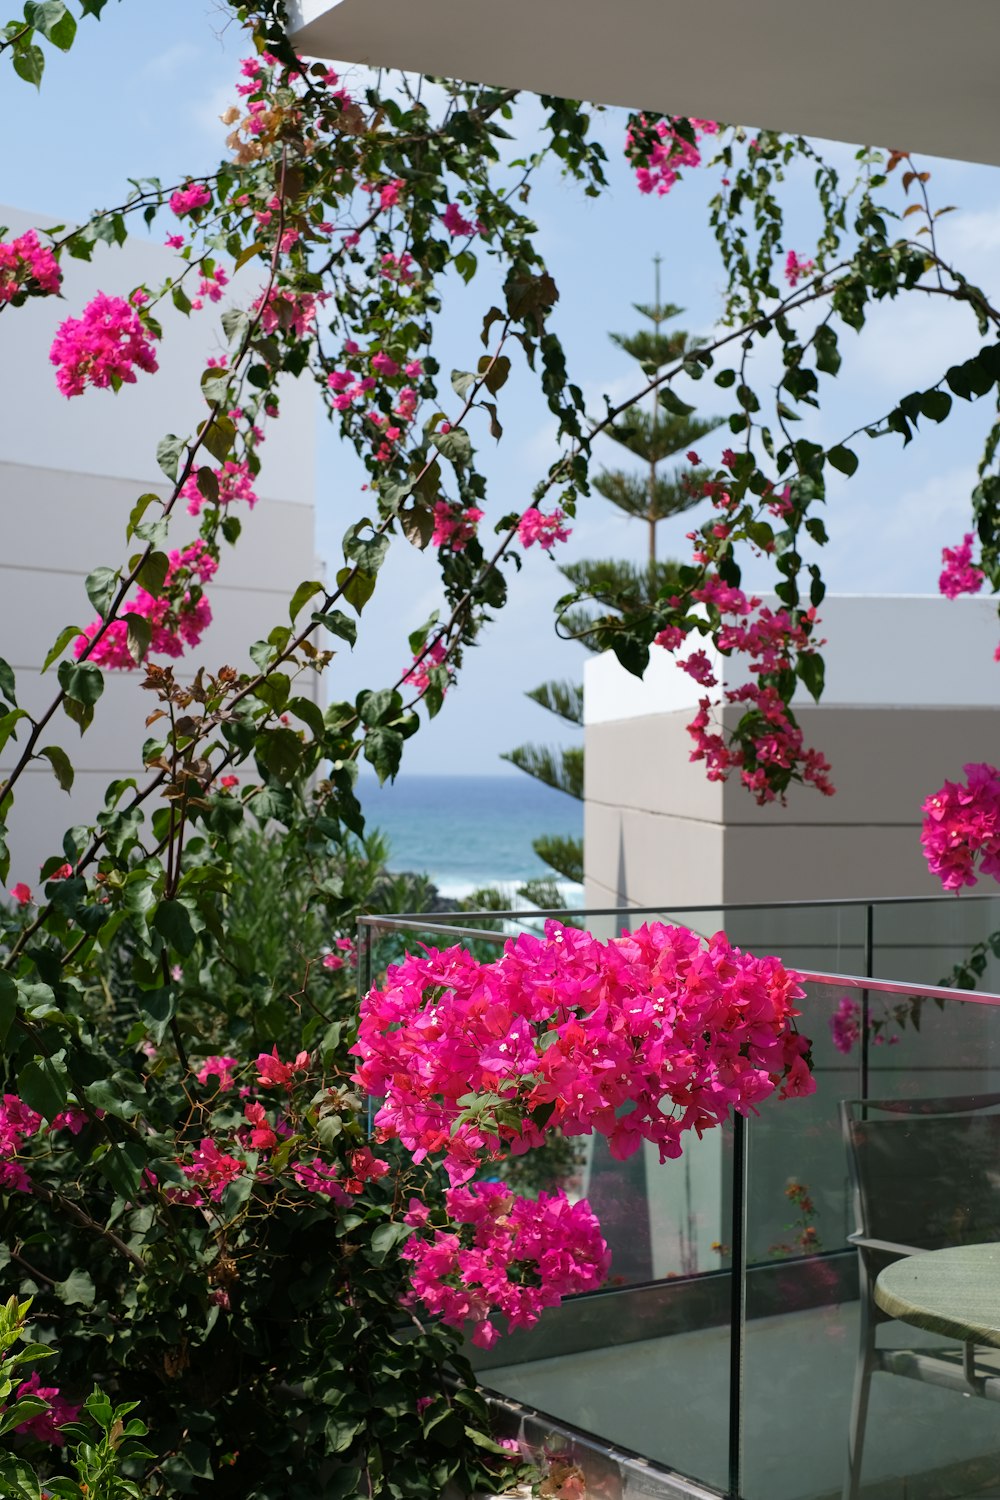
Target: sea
469,831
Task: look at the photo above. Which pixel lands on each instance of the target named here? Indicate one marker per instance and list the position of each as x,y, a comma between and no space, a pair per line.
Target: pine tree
648,495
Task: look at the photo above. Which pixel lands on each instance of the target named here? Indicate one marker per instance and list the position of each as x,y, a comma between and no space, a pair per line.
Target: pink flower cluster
346,953
511,1255
294,312
177,618
45,1426
18,1123
961,829
845,1027
454,528
102,347
26,265
681,1031
770,639
457,224
662,167
235,482
545,530
959,574
797,270
186,200
418,676
221,1069
213,1169
351,384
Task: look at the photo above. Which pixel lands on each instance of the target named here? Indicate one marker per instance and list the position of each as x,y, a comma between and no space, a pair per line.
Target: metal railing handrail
534,913
903,988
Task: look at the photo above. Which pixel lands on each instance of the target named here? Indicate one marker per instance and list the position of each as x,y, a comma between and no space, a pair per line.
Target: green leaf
44,1085
152,574
844,459
219,437
8,1005
139,633
67,634
810,669
53,20
76,1290
7,683
29,63
61,765
454,445
384,750
670,401
337,623
356,587
137,512
496,372
935,404
81,681
386,1236
305,591
462,382
172,921
169,452
9,723
280,750
309,712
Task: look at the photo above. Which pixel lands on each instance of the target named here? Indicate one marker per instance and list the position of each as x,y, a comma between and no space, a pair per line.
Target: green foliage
562,698
564,855
560,769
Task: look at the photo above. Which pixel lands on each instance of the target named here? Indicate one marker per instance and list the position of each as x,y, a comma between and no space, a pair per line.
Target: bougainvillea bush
190,1195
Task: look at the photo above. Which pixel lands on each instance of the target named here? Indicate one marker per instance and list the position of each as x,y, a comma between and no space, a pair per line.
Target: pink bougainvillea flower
26,266
453,527
961,830
457,224
435,655
262,1137
103,347
797,270
186,200
959,574
545,530
273,1073
213,1169
46,1424
21,893
219,1068
682,1031
516,1256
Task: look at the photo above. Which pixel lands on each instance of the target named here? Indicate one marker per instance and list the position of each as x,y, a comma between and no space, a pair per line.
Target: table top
954,1292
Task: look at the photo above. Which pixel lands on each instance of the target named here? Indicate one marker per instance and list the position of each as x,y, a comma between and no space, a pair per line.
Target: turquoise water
468,831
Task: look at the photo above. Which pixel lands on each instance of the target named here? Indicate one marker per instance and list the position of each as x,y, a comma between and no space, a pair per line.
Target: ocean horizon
464,832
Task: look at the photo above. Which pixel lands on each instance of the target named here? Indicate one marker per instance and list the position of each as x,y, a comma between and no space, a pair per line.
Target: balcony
720,1358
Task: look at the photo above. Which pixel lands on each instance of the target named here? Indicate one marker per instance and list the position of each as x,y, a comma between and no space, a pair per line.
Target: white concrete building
910,73
910,696
70,472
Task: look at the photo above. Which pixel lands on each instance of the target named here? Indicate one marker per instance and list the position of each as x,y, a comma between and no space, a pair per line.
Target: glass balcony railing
737,1322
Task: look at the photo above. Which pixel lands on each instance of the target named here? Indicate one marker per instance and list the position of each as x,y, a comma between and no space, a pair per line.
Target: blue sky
134,100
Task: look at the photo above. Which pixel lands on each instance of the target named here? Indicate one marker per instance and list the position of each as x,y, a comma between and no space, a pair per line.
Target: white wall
70,471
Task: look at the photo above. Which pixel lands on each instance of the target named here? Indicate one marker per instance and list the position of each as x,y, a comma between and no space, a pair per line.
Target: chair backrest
925,1172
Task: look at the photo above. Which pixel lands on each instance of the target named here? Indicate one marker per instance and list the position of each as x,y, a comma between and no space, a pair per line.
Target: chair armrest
887,1247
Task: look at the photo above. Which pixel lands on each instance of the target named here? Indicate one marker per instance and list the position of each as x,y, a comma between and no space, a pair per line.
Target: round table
955,1292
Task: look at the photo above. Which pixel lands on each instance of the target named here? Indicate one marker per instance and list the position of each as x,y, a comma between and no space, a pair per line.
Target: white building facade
70,472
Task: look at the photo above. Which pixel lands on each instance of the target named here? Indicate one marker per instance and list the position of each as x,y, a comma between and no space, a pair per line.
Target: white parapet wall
70,472
911,695
757,64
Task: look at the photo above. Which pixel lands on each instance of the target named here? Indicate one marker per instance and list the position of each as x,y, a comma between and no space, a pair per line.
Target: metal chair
925,1175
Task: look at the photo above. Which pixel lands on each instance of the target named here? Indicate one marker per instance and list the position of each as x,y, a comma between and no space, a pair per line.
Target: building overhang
914,74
